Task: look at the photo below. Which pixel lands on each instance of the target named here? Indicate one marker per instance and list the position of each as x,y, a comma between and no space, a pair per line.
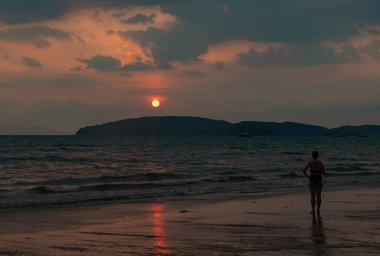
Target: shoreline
215,198
268,225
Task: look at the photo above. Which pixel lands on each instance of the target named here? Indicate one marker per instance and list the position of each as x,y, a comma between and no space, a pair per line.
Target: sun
155,103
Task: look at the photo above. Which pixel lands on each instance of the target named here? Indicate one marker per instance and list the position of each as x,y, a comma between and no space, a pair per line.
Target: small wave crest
132,186
41,190
231,178
349,168
362,173
103,178
290,175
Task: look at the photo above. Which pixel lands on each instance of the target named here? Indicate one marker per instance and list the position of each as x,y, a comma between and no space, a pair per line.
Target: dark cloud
203,23
30,62
36,35
280,21
25,11
102,63
296,22
179,43
110,64
137,66
140,18
308,55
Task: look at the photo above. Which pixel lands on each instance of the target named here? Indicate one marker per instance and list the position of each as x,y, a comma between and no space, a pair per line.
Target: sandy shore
277,225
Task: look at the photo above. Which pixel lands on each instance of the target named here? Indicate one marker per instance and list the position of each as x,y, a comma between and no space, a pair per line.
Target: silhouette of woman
317,169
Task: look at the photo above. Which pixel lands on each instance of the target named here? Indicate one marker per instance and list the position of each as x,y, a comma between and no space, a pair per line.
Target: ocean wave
290,175
365,173
131,186
106,187
41,190
45,158
349,168
294,153
103,178
234,178
270,170
340,158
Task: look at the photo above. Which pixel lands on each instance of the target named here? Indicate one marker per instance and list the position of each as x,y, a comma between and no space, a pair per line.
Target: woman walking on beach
317,169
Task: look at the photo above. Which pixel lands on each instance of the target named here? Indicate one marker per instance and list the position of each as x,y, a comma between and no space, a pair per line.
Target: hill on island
164,125
357,130
272,128
187,125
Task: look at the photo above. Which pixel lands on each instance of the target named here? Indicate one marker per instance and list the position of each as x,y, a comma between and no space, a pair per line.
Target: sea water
43,170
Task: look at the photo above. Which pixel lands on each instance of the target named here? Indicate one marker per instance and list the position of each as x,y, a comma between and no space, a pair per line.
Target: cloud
295,22
307,55
140,18
179,43
137,66
110,64
23,11
279,21
26,11
102,63
36,35
30,62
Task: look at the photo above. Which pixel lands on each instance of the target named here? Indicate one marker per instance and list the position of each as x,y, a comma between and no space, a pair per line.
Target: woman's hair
315,154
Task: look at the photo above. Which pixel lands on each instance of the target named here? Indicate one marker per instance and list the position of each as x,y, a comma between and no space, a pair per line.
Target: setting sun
155,103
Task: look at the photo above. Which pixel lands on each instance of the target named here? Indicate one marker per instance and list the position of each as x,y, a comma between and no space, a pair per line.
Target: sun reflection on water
160,243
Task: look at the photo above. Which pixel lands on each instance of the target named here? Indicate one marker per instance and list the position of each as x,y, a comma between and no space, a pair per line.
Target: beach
268,225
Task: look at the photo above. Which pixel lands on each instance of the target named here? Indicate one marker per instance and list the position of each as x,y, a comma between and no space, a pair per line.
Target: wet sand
276,225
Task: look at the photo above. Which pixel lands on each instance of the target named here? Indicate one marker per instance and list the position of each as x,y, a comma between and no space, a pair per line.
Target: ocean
46,170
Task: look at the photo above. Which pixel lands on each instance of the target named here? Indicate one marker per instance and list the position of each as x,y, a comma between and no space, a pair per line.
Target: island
189,125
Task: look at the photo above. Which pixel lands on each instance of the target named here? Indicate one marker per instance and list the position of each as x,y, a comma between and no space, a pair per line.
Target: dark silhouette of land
165,125
272,128
187,125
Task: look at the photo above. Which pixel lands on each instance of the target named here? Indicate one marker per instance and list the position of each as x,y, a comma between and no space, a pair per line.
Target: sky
66,64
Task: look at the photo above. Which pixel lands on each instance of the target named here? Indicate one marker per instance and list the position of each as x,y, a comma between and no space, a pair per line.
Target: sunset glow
91,63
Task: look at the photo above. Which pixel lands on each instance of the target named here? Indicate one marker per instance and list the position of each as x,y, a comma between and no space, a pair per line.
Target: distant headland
188,125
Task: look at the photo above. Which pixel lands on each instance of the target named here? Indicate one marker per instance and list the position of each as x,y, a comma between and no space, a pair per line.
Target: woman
317,169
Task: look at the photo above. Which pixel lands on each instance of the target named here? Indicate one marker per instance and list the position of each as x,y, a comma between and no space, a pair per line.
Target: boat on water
244,134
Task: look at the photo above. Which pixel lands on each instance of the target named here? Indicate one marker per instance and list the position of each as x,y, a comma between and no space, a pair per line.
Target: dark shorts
316,179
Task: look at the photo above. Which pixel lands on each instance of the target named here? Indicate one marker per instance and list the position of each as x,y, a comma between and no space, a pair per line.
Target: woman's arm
305,169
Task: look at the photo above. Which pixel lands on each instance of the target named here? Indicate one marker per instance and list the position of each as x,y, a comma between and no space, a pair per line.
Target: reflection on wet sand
318,236
160,244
